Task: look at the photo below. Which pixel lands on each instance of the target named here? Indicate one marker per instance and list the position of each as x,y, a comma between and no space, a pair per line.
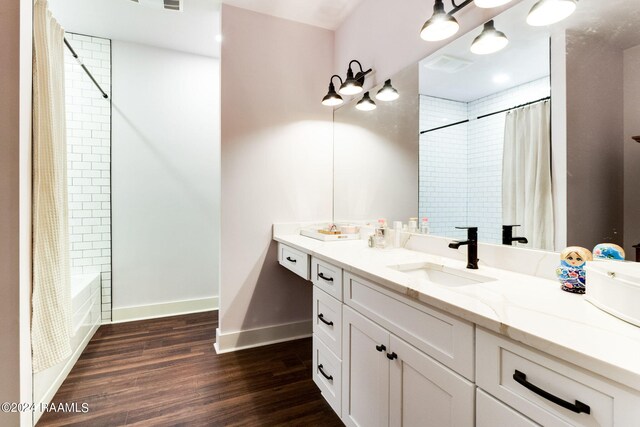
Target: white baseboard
240,340
153,311
53,389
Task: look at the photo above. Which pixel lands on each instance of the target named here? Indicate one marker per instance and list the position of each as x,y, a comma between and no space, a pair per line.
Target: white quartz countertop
528,309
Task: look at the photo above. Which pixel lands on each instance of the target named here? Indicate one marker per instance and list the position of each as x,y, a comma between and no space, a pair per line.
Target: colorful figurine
608,251
571,273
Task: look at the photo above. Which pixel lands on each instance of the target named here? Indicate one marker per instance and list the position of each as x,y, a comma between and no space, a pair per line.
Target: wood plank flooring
165,372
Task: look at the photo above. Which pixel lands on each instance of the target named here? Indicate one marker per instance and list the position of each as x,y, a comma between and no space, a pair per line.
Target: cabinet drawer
327,277
447,339
492,413
294,260
327,320
538,385
327,374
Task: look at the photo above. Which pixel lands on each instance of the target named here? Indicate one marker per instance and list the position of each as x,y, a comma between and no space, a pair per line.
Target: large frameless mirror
538,134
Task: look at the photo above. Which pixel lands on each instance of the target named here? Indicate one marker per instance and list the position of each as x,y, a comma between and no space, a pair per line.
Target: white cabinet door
492,413
425,393
365,372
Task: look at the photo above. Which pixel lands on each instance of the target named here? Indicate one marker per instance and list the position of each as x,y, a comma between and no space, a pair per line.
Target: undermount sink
441,275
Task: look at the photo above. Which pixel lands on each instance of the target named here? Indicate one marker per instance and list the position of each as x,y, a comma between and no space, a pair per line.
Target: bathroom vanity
408,336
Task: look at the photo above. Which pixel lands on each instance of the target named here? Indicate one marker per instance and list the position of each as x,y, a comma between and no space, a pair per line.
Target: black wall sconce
353,85
442,25
332,99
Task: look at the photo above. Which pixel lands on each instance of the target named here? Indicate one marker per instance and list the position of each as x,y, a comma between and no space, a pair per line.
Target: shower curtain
527,197
51,297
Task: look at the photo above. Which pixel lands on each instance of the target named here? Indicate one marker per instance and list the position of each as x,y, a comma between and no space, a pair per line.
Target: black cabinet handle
329,377
291,260
577,407
321,317
381,348
392,356
323,277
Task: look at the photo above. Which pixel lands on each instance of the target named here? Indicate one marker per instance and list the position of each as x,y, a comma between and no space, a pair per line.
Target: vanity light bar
442,25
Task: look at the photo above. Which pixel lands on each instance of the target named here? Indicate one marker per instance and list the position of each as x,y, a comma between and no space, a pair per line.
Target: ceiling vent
161,4
447,64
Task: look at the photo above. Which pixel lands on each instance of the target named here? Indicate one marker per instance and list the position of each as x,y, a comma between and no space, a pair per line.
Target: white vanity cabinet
548,391
493,413
294,260
327,331
387,382
385,358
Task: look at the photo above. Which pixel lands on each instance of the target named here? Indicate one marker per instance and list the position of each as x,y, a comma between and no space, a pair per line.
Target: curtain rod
86,70
486,115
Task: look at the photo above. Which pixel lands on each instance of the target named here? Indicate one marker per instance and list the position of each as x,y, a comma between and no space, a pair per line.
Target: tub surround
85,302
524,303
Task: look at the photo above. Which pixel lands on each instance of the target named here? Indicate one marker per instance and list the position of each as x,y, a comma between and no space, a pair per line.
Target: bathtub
86,315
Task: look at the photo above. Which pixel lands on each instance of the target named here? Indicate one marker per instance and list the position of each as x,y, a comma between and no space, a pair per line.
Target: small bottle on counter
424,226
380,236
397,229
413,225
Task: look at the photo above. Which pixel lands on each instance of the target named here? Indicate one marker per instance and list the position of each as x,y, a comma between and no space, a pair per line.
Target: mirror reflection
539,134
476,114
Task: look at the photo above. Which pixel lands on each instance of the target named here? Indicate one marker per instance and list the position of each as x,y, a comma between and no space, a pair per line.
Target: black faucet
507,236
472,250
637,252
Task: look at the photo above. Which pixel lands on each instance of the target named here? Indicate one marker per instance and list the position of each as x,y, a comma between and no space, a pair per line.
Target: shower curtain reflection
527,197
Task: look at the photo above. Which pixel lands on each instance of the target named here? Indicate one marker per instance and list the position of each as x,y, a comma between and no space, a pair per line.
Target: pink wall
15,187
9,211
631,150
384,35
276,161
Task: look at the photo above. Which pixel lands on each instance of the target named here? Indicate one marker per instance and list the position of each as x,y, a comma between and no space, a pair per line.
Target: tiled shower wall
481,144
89,160
443,166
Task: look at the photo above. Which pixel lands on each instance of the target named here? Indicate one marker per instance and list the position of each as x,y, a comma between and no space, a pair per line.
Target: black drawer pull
392,356
321,317
577,407
329,377
323,277
381,348
291,260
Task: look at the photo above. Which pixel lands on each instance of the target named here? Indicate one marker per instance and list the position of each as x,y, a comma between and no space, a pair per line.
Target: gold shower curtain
51,298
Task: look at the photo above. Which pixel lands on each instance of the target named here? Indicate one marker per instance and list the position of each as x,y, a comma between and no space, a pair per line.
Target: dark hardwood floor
165,372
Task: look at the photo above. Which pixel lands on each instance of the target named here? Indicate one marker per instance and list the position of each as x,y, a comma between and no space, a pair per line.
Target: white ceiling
327,14
192,30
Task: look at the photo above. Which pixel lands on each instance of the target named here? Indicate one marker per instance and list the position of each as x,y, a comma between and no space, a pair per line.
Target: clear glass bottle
424,226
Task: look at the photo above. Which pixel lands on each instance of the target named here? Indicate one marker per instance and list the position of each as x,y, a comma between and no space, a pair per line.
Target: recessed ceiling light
501,78
218,38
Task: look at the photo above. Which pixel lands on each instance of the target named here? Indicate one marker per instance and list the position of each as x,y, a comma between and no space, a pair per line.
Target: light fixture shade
487,4
489,41
352,85
332,99
387,93
547,12
366,103
440,26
